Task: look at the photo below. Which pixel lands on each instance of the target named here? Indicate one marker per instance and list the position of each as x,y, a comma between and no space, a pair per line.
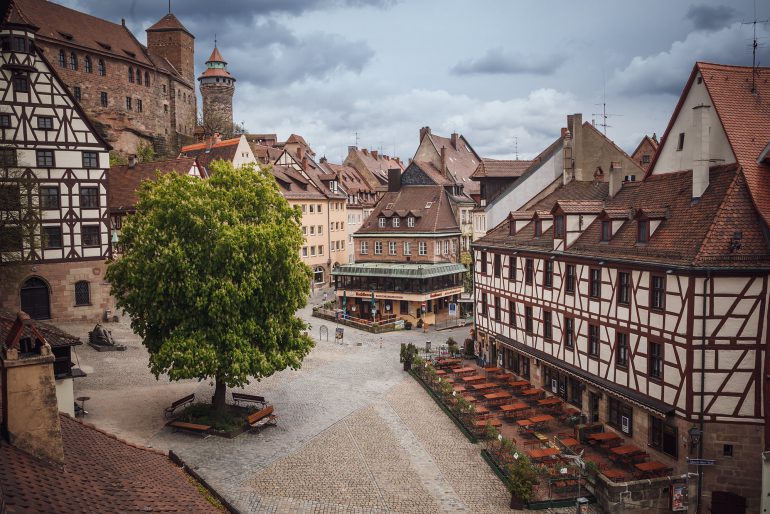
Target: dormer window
410,222
396,222
643,233
558,226
382,221
606,230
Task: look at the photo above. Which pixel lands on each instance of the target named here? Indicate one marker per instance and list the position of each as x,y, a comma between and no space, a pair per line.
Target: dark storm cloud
710,17
498,62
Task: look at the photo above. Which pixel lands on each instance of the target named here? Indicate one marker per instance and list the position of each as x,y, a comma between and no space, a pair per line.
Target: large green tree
212,279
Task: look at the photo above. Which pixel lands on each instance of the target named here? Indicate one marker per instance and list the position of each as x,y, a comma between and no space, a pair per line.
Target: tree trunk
219,396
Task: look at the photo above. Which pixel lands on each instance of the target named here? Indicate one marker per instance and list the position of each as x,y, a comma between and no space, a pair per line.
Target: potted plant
453,347
409,352
522,477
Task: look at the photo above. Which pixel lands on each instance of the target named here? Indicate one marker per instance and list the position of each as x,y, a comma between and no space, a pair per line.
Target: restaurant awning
398,269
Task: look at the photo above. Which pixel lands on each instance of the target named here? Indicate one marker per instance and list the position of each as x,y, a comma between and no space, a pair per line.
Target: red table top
541,419
603,436
549,401
497,396
539,453
569,442
493,369
493,422
653,465
518,383
532,392
485,385
463,370
523,422
474,378
627,449
514,407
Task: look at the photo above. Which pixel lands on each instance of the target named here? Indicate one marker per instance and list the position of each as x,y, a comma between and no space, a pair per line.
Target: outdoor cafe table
541,453
513,408
614,474
440,372
447,362
459,389
626,449
569,442
604,437
518,383
463,370
549,401
651,467
485,385
481,410
474,378
523,423
543,418
493,369
470,398
532,392
497,396
483,422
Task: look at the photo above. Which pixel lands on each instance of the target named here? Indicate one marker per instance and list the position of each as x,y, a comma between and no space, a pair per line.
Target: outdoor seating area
518,418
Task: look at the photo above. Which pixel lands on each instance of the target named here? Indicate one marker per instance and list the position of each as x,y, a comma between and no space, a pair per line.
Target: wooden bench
169,411
190,427
248,398
261,418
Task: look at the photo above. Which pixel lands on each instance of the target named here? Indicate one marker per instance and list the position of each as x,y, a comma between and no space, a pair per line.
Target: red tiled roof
436,218
375,170
294,138
125,181
54,336
216,56
578,206
216,72
461,161
293,185
207,153
168,23
101,474
265,154
495,168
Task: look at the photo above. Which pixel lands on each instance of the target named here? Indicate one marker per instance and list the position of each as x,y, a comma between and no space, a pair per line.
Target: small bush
203,414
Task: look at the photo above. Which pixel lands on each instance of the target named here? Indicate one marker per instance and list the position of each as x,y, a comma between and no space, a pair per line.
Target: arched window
139,76
73,61
318,274
87,66
102,69
62,59
147,78
82,293
130,74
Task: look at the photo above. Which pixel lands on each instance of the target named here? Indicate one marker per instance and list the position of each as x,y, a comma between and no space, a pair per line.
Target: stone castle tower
171,40
217,89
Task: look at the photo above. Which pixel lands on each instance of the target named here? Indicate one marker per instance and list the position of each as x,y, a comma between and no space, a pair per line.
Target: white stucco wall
65,396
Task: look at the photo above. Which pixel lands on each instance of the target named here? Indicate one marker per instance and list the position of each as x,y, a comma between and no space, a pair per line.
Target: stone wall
218,107
61,279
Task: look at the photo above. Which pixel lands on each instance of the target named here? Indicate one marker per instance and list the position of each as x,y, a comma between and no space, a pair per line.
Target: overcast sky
495,71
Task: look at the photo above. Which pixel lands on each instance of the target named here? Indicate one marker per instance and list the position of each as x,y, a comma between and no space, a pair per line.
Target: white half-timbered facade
55,225
645,304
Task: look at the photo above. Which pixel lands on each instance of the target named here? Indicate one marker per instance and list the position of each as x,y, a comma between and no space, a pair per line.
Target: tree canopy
211,277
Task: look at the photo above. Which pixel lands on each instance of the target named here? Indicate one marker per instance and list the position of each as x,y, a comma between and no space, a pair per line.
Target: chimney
305,162
423,132
394,180
30,412
300,153
323,160
375,153
443,161
453,139
352,149
568,164
575,126
366,152
132,160
701,151
616,178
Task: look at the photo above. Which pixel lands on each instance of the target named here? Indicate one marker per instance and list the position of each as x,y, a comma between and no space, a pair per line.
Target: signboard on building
679,498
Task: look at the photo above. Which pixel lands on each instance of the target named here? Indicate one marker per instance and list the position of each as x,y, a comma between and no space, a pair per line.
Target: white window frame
392,248
364,247
410,222
407,248
396,222
423,248
382,221
378,248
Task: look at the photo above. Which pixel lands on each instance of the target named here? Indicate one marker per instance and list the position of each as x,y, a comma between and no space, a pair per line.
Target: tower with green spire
217,90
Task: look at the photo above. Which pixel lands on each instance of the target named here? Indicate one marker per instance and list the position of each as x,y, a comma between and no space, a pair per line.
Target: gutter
698,508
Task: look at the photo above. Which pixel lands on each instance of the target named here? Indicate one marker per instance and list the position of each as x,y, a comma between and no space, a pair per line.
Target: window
20,83
624,287
138,105
165,107
595,283
529,271
312,230
593,340
484,262
49,197
147,79
558,226
423,248
664,436
304,251
655,360
497,308
10,238
364,247
575,392
382,221
7,157
44,158
103,99
548,273
484,311
5,121
620,415
89,197
645,159
569,332
538,228
496,265
512,268
378,248
320,230
606,230
644,232
528,319
90,160
73,61
437,248
62,59
90,235
318,208
392,248
446,247
82,293
77,93
88,65
52,237
45,122
128,103
312,251
621,349
410,222
657,292
512,313
569,285
547,324
102,69
10,197
320,249
396,222
130,74
407,248
727,450
680,142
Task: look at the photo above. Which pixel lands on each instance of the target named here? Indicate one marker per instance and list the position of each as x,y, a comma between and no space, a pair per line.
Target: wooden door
35,299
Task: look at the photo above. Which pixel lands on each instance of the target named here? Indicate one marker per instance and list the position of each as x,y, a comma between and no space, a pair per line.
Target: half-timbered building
645,304
53,218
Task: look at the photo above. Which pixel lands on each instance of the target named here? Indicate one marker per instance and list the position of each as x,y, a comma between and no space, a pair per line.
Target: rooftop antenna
516,146
754,46
215,39
169,6
604,115
356,133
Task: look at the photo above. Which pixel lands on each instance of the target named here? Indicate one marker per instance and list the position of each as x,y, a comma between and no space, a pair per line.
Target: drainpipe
702,391
473,286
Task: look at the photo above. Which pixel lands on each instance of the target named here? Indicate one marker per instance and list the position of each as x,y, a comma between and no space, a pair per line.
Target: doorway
593,406
35,298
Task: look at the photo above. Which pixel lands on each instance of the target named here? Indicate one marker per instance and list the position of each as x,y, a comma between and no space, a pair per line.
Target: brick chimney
305,162
568,164
453,139
575,126
443,161
616,178
300,153
394,180
375,153
30,412
701,150
365,151
423,131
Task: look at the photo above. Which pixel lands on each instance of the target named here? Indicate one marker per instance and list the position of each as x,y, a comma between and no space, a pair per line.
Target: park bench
190,427
248,398
261,418
169,411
